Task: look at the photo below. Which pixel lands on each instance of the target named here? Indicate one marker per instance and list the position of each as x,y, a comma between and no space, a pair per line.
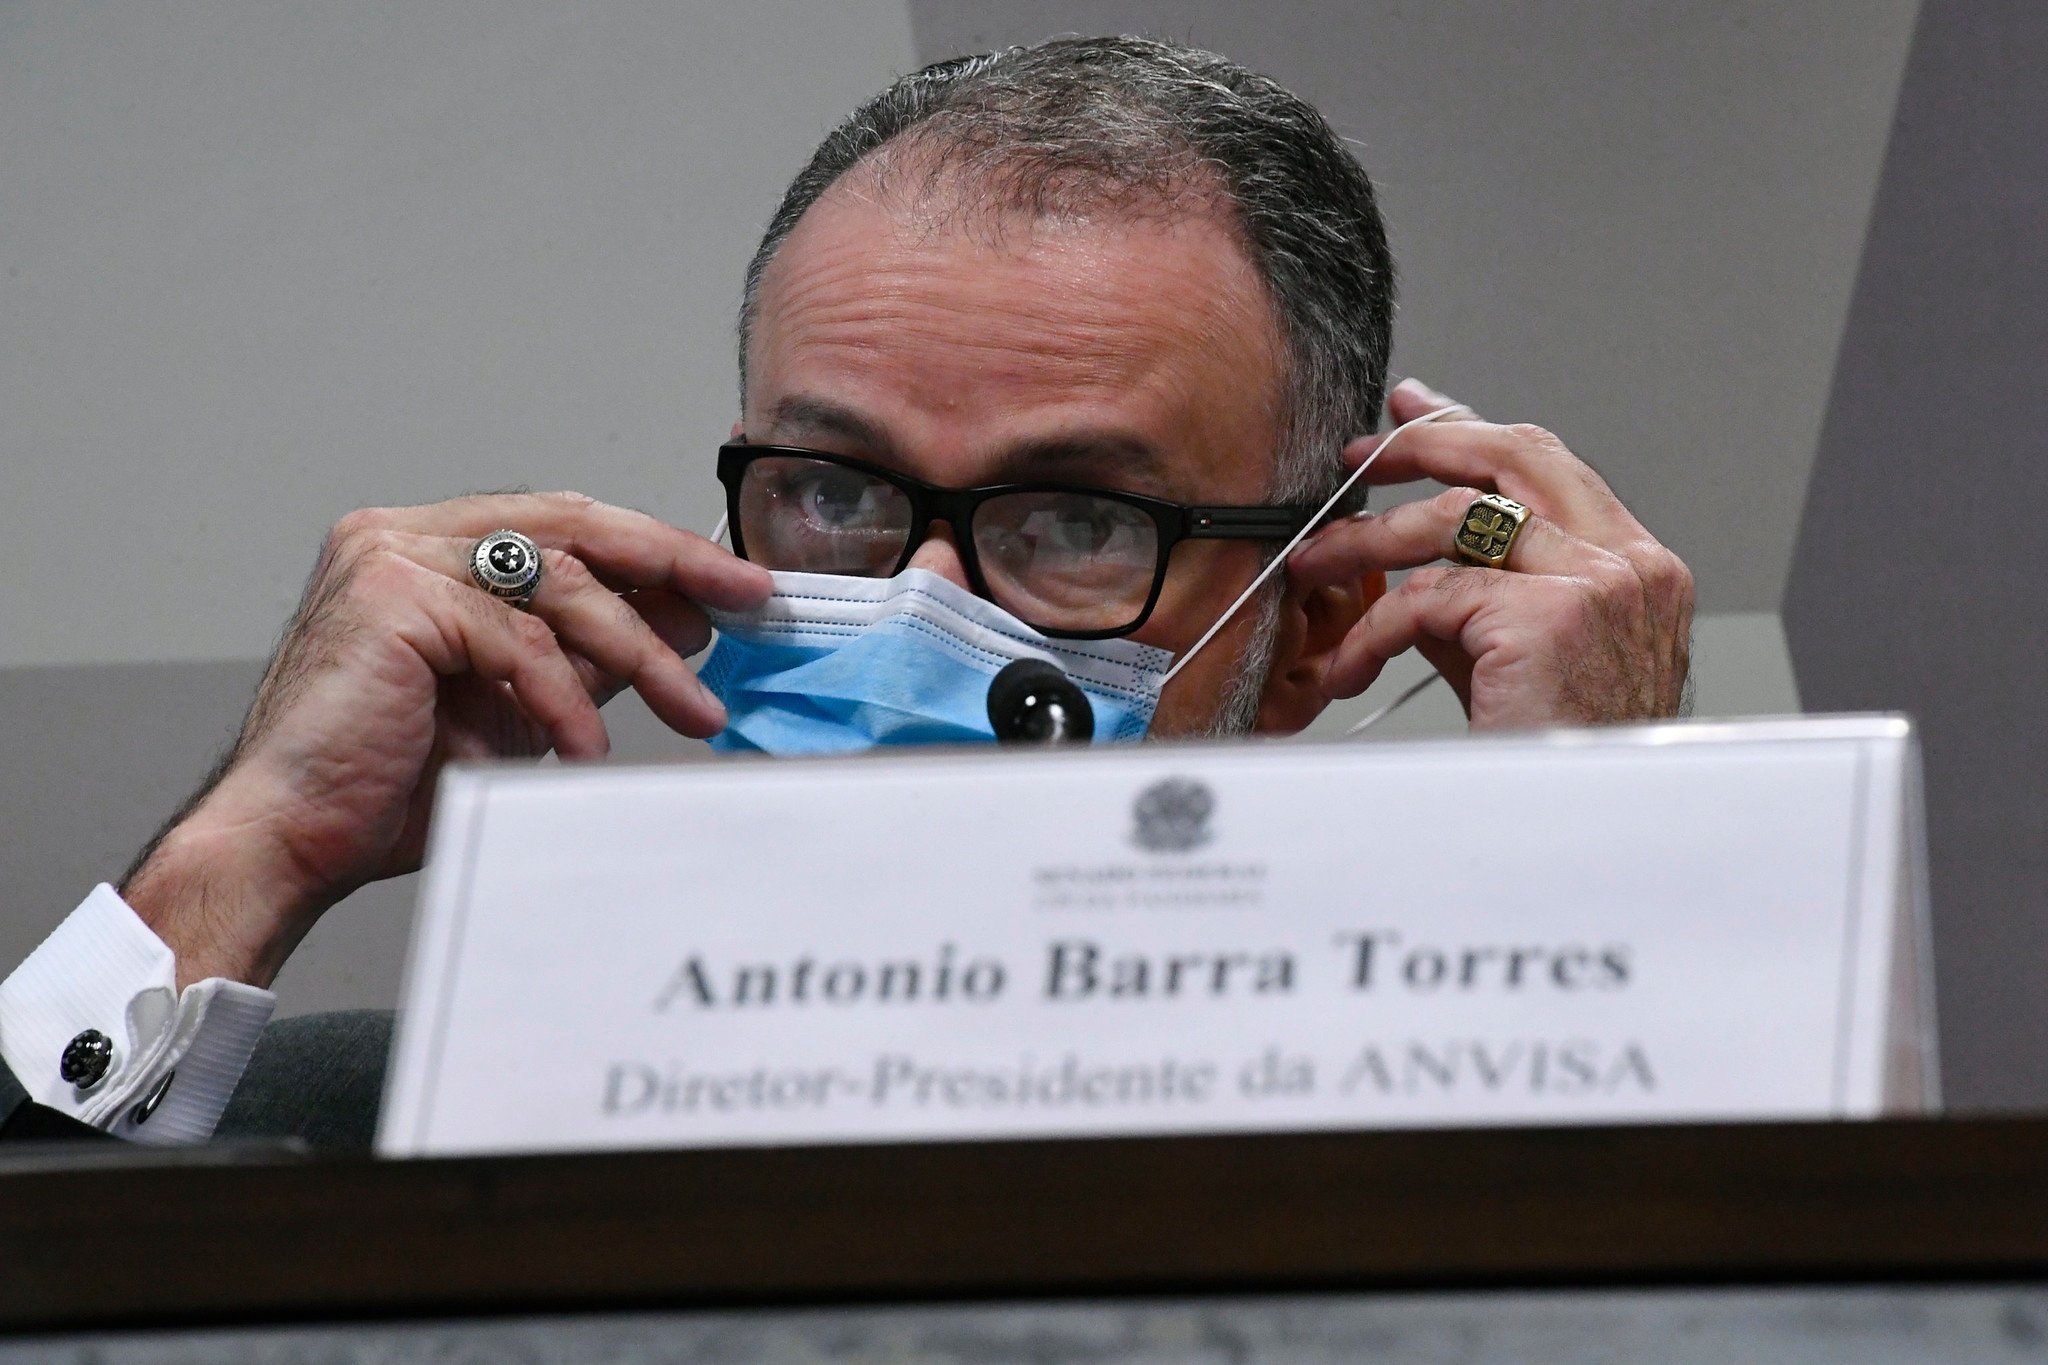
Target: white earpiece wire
1414,690
718,537
1313,522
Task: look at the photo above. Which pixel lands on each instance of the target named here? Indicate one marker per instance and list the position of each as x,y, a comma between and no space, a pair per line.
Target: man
1128,269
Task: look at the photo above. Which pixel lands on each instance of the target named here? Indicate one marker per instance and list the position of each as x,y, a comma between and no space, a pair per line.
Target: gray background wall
261,263
267,262
1913,587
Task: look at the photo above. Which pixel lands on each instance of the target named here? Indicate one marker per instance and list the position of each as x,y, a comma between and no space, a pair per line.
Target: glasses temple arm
1287,549
1245,523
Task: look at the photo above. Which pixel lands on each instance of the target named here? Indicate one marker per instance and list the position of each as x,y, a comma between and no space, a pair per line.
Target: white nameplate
1658,923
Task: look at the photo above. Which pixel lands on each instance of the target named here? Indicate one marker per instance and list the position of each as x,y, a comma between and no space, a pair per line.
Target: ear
739,429
1313,622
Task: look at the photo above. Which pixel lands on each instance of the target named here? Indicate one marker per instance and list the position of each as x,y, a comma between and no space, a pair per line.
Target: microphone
1032,702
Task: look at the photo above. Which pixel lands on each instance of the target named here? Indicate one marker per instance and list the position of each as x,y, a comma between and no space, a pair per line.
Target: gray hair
1133,121
1137,125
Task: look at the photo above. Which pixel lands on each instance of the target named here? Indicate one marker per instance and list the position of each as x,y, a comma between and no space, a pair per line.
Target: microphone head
1032,702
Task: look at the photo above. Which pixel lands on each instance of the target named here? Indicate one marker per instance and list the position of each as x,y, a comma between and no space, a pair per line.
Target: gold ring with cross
1487,532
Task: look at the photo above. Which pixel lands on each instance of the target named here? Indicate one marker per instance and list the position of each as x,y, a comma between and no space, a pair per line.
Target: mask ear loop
1415,690
1313,523
1459,409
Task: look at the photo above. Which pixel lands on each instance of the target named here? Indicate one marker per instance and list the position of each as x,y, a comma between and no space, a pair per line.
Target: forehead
965,332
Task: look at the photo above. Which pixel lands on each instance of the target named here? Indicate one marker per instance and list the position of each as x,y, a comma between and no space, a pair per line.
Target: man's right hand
397,664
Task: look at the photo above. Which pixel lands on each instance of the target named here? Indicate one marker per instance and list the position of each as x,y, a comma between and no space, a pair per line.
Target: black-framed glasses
1074,562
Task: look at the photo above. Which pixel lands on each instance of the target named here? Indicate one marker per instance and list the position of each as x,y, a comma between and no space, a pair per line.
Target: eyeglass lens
1067,560
1059,560
814,517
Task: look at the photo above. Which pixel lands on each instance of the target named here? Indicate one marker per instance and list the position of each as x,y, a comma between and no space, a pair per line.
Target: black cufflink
86,1059
139,1115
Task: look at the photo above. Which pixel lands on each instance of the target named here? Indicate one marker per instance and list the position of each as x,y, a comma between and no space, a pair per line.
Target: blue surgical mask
836,665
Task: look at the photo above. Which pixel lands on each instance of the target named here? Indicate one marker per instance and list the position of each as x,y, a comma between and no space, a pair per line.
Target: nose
940,554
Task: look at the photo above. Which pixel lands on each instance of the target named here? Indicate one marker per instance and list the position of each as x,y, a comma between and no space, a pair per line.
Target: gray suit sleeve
318,1078
23,1120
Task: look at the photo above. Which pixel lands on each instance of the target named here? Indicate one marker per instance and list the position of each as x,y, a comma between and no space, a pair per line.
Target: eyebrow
806,416
1088,457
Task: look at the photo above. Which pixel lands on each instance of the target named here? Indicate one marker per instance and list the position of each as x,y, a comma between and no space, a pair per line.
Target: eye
838,499
1089,526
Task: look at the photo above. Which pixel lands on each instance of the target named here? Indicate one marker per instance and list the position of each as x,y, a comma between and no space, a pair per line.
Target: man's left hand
1589,621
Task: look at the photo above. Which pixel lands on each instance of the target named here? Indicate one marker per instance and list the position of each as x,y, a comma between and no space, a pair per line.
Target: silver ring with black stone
506,565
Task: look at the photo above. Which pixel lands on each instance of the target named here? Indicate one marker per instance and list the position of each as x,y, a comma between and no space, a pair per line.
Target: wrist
224,896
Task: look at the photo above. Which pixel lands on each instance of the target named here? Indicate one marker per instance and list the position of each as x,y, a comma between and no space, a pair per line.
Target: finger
477,720
601,626
1411,398
1418,533
1526,463
593,623
624,548
1433,604
1454,664
601,685
1410,401
681,623
459,630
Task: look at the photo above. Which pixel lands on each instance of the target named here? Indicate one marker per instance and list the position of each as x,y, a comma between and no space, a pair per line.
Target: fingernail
711,701
1314,539
1423,391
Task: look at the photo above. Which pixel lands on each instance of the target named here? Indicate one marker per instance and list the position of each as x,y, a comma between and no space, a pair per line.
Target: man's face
1136,355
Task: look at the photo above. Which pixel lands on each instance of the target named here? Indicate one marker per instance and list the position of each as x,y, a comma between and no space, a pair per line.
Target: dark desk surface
199,1239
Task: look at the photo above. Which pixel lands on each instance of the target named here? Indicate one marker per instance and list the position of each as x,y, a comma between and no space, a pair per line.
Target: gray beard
1239,710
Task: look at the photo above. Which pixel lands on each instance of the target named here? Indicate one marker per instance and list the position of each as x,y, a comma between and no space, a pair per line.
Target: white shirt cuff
176,1056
